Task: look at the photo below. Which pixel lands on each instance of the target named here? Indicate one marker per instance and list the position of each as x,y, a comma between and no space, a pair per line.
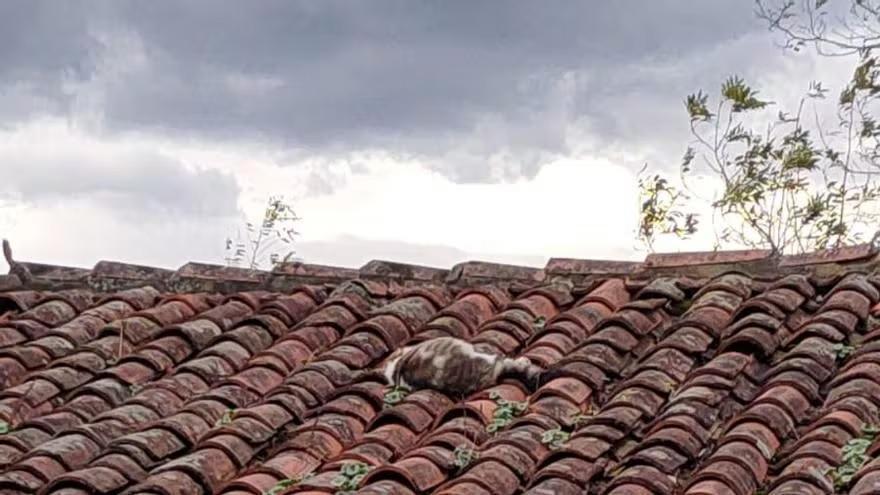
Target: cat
453,366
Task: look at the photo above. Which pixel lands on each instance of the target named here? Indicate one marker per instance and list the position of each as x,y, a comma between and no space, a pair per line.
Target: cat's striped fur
453,366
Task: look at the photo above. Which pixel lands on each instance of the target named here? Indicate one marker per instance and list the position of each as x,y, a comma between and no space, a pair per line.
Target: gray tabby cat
453,366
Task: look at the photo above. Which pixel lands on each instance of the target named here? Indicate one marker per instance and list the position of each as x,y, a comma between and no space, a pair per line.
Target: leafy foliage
793,186
740,95
4,427
506,411
555,438
227,417
395,395
350,476
661,211
463,456
286,483
852,458
809,23
697,107
272,241
793,183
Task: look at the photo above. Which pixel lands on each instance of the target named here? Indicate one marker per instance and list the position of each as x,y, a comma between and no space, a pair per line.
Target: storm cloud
457,83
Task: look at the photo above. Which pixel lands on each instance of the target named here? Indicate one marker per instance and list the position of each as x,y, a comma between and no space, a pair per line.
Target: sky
406,130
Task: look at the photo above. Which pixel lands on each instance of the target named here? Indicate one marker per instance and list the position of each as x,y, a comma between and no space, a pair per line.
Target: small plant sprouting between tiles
540,323
395,395
227,417
852,458
463,456
506,411
284,484
578,419
842,351
350,476
555,438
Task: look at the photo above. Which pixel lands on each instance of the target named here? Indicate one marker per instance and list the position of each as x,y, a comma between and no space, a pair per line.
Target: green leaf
395,395
687,160
505,412
351,469
853,457
741,95
463,456
284,484
697,108
843,351
227,417
540,321
554,438
847,96
802,157
350,476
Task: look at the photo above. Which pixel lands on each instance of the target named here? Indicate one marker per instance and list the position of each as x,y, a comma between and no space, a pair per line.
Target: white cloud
574,207
78,232
579,207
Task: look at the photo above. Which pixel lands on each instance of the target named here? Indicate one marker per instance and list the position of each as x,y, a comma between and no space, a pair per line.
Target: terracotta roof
695,373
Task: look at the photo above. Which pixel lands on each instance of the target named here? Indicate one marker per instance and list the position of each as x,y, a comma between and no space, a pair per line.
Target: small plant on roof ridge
4,427
554,438
395,395
227,417
463,456
350,476
843,351
852,458
270,242
505,412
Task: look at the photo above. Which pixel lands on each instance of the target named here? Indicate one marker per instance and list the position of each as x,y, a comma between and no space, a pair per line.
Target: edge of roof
109,276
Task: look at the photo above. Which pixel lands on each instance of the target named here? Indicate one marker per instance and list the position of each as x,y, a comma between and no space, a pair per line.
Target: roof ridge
109,276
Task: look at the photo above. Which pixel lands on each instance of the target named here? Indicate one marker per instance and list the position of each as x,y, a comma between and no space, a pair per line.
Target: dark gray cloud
453,81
